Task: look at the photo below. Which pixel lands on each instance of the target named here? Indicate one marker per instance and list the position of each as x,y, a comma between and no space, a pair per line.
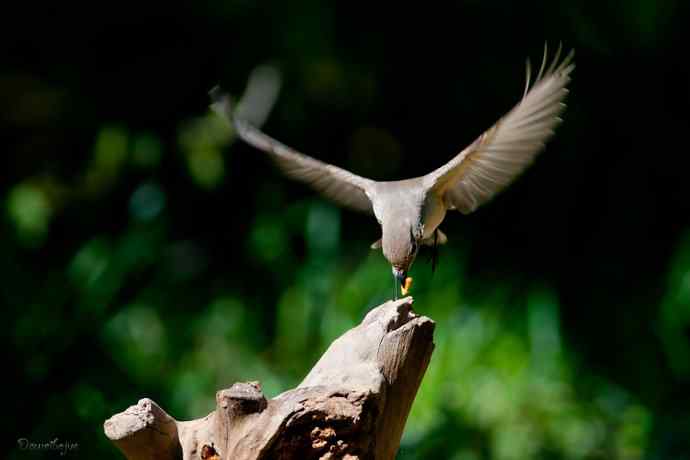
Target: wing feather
501,153
338,184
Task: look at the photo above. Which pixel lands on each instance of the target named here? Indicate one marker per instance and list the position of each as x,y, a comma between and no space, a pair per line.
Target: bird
410,211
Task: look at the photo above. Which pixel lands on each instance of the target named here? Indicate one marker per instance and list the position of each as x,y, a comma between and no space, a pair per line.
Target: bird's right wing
501,153
338,184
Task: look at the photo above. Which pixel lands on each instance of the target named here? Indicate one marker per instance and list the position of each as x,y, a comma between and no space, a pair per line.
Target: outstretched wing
338,184
500,154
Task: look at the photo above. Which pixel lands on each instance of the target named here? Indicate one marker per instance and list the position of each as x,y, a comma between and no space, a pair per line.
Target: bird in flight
410,211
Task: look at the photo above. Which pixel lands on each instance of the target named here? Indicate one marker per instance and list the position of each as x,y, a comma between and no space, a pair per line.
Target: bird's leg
395,288
434,253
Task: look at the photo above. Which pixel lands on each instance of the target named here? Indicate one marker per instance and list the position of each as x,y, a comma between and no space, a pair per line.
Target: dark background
144,253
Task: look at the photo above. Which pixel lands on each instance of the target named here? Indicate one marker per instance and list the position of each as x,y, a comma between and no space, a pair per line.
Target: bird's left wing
338,184
501,153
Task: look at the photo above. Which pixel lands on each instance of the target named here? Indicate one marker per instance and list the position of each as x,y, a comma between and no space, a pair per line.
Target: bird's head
400,246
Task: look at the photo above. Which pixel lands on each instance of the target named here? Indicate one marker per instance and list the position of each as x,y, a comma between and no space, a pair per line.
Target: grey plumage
410,211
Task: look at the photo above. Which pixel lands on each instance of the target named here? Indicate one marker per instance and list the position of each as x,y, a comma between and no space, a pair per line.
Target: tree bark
352,405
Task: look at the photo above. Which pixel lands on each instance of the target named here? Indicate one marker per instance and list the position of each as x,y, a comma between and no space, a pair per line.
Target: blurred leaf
109,156
137,340
147,150
674,316
30,210
147,201
268,239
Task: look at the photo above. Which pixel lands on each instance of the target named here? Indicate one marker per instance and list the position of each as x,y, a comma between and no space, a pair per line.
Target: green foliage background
146,253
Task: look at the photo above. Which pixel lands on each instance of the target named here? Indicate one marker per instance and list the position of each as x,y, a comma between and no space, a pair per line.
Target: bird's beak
400,277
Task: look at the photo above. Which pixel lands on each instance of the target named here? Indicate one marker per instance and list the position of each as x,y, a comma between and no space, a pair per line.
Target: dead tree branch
352,405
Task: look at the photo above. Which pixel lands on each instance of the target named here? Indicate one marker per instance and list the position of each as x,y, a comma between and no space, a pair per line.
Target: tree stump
352,405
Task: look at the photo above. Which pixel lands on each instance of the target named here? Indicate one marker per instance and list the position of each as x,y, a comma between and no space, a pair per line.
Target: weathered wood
144,432
353,404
